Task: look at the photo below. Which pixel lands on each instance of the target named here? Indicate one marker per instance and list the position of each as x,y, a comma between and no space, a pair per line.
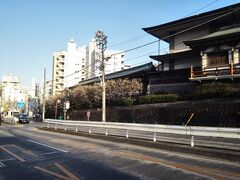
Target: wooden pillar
236,56
191,71
204,60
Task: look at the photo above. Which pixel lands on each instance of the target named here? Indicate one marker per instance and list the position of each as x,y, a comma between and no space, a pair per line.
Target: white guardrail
170,129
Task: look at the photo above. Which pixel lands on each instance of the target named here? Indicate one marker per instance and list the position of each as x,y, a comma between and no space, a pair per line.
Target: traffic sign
67,105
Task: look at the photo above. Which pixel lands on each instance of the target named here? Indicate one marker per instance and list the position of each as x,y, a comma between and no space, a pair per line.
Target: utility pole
66,103
101,40
44,95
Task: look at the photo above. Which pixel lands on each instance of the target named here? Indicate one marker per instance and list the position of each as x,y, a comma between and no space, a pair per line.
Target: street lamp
56,107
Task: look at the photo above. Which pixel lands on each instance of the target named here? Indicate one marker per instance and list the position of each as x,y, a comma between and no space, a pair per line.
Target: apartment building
74,63
77,64
58,71
14,97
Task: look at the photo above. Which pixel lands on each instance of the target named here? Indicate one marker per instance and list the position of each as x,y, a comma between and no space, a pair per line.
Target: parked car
23,118
11,120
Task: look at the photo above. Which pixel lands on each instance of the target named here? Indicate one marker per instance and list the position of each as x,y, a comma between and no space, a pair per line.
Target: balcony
60,73
219,72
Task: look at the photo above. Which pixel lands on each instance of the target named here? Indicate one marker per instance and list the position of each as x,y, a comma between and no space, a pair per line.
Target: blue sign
20,104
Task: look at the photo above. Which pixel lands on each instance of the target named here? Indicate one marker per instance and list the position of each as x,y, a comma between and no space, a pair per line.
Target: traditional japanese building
138,72
202,48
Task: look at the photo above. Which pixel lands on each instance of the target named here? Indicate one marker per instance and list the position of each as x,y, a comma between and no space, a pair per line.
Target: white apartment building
75,61
116,62
58,71
14,97
92,56
79,63
113,62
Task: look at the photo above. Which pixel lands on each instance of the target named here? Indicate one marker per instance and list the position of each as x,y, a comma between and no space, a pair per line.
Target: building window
217,59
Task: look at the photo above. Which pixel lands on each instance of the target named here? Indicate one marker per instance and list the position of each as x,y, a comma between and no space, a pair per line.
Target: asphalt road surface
28,153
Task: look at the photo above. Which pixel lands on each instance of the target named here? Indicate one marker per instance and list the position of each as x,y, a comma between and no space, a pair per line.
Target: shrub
215,90
120,102
151,99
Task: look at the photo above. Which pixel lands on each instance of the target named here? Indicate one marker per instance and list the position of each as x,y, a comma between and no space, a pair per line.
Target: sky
30,30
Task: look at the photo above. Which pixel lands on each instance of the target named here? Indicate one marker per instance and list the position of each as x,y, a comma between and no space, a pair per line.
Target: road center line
47,146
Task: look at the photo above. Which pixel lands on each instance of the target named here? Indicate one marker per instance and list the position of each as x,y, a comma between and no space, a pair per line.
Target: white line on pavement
47,153
9,159
2,165
47,146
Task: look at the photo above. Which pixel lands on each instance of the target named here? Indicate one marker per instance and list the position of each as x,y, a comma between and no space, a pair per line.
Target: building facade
202,47
14,97
77,64
114,60
58,71
75,60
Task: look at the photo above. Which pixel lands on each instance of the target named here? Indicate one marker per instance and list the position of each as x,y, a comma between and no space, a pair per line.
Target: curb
224,154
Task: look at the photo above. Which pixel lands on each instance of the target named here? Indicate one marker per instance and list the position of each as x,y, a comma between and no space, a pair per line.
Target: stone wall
217,112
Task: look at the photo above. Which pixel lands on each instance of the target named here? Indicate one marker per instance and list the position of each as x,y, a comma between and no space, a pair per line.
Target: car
15,120
11,120
23,118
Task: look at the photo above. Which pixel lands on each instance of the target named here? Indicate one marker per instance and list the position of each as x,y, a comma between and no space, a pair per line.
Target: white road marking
9,159
2,165
47,146
47,153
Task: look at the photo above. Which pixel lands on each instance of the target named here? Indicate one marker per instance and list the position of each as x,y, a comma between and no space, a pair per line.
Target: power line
82,68
128,60
166,37
138,47
142,35
132,39
202,8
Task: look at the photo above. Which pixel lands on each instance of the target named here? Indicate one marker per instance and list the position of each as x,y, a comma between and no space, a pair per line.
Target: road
28,153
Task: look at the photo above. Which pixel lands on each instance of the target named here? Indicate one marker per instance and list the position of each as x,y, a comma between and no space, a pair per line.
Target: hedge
210,90
150,99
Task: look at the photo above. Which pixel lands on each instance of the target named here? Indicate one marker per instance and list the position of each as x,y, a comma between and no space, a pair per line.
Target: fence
119,128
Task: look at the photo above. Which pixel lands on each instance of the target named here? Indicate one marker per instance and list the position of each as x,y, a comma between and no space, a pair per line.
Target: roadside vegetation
217,90
126,92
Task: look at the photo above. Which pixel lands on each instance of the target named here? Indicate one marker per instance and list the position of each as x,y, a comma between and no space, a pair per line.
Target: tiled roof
121,74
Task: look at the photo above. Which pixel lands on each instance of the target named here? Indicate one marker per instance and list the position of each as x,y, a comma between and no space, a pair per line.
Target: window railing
230,70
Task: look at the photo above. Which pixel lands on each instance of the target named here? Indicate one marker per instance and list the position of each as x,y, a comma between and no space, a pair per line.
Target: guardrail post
154,137
231,69
56,126
191,71
76,129
65,127
192,141
127,133
106,132
90,130
48,125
